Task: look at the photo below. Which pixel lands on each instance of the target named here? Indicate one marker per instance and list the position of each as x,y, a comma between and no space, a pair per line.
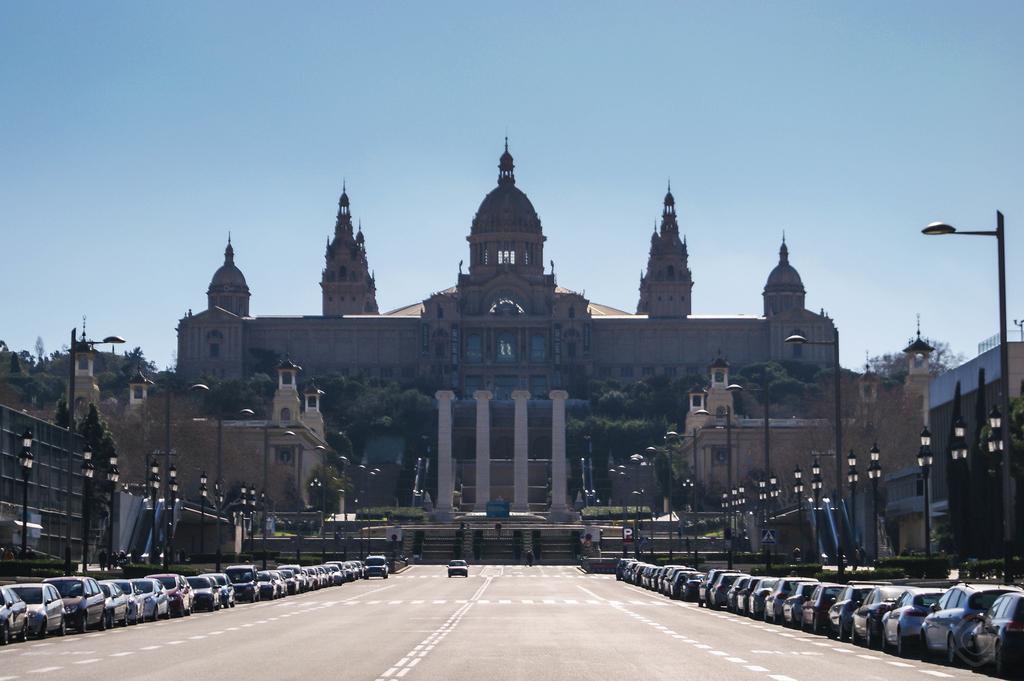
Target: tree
40,349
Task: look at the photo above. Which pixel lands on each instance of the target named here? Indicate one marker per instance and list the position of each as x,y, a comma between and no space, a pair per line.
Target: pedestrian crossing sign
768,537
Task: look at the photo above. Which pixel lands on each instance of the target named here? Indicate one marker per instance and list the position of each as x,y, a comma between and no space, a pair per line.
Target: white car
458,568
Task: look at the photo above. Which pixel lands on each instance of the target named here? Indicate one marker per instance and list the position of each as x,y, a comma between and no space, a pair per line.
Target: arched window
343,273
671,272
572,312
286,415
440,312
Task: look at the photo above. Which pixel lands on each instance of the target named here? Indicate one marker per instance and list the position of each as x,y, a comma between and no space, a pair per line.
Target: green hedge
788,570
991,569
392,513
918,567
31,568
136,570
878,574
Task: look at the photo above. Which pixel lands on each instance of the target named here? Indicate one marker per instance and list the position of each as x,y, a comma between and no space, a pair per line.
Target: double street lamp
798,492
924,462
88,471
852,477
113,475
25,459
172,486
874,474
816,490
154,489
203,489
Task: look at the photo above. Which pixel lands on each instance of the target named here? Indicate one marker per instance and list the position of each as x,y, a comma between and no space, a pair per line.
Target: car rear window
168,582
33,595
983,600
237,575
1018,614
375,562
69,588
145,586
927,600
199,582
727,580
832,591
806,589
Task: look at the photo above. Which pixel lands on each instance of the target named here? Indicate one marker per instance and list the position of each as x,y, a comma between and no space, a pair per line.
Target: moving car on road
376,566
458,568
45,608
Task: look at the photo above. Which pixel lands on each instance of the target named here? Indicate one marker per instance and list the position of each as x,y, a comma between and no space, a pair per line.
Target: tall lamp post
316,483
762,498
924,462
688,491
263,543
874,475
202,512
636,524
852,477
798,492
154,489
797,339
816,490
939,229
88,470
113,475
25,459
172,488
763,390
218,493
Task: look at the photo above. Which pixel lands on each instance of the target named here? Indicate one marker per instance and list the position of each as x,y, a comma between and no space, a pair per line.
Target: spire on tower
506,167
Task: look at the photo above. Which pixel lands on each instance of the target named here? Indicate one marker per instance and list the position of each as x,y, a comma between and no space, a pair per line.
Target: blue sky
134,136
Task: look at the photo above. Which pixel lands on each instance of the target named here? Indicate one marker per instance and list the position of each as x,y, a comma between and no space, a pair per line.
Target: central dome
228,278
506,208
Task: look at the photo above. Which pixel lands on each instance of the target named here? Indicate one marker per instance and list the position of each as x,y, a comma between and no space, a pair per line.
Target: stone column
445,481
483,448
520,466
559,510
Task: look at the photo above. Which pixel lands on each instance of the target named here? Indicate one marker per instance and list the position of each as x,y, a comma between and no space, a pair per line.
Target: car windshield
831,591
287,574
125,586
199,582
927,600
457,563
68,588
375,562
168,582
264,576
239,575
144,585
806,589
33,595
105,588
983,600
891,593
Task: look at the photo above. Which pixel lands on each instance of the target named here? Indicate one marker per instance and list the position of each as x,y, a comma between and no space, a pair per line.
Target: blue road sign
768,537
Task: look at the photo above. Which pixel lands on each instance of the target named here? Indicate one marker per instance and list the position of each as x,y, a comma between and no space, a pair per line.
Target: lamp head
874,453
938,229
26,439
926,437
796,338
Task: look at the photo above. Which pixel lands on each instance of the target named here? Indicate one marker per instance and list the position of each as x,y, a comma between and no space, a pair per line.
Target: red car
84,602
179,593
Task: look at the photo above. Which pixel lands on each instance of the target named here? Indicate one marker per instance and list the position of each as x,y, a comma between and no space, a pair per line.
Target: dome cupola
784,289
228,289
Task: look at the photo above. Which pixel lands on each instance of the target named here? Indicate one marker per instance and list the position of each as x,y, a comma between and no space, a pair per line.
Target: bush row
990,569
918,567
788,570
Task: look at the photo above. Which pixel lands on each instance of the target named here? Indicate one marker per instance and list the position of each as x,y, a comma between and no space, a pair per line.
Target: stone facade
506,324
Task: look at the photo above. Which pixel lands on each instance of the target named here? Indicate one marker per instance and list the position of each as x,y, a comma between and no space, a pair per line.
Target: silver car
783,589
156,604
901,626
116,606
136,599
45,608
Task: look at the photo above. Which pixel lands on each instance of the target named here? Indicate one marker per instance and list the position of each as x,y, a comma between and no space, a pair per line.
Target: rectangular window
214,350
556,344
386,372
83,363
474,348
286,378
537,348
648,371
539,387
138,392
670,372
626,372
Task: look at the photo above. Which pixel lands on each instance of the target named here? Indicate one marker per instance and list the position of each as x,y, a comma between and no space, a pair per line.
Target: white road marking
941,675
89,661
44,670
756,668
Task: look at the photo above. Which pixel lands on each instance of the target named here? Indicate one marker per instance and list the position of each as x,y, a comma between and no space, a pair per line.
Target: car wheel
23,636
83,623
952,659
843,634
1000,665
42,628
63,627
869,642
103,622
5,635
926,654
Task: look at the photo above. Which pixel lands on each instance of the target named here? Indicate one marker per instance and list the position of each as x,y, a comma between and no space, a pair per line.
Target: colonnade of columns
520,457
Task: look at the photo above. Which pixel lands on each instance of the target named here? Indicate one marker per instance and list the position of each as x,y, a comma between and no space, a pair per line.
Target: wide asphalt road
536,624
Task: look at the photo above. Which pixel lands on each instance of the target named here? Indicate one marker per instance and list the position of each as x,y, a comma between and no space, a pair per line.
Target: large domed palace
506,324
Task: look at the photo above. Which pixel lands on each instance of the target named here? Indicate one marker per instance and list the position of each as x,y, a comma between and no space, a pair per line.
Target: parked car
707,587
225,591
814,615
681,584
720,590
840,615
45,608
336,573
13,617
743,595
952,619
867,619
136,599
731,597
773,604
792,607
84,602
998,639
205,593
758,596
155,603
280,586
268,589
179,593
115,605
243,579
376,566
458,568
901,626
290,583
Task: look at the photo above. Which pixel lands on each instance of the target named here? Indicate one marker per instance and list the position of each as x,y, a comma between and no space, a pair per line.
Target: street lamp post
202,512
816,490
797,339
25,459
113,475
763,389
636,525
88,470
874,474
852,477
773,494
762,497
218,492
798,491
688,489
936,229
172,486
924,462
316,483
154,488
263,543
